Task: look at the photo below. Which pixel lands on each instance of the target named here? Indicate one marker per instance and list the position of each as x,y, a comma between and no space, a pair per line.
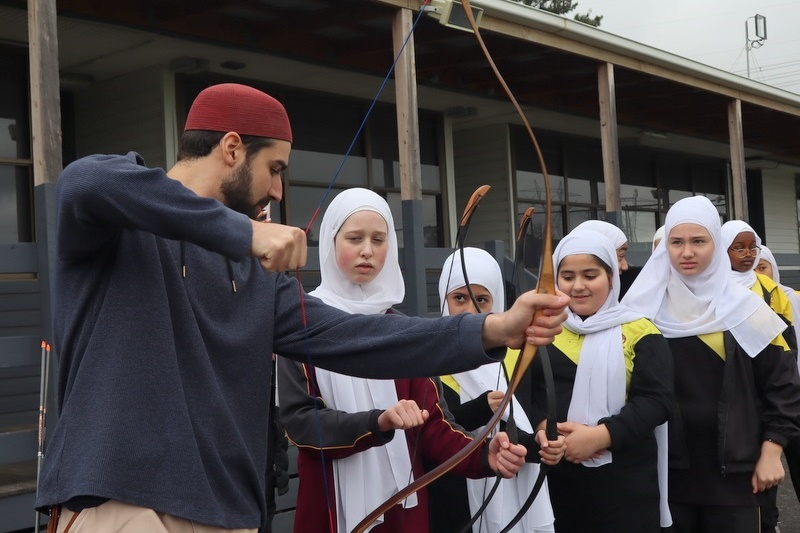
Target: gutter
643,56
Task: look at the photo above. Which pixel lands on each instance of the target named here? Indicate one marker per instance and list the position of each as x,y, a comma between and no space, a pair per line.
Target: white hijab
600,380
364,480
730,230
483,270
794,298
658,236
682,306
610,231
766,254
388,288
600,384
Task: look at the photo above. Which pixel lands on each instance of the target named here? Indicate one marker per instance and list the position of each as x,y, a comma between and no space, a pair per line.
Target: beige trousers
114,516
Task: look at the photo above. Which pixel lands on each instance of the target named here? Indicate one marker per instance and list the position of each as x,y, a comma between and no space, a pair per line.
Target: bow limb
551,425
461,235
472,204
524,223
463,226
546,281
545,285
437,472
448,465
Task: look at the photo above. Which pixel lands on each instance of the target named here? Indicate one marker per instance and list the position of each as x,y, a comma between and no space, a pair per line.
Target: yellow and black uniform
727,404
447,497
777,300
621,496
735,388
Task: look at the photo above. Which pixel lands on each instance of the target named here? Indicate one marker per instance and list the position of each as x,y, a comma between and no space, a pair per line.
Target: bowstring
314,216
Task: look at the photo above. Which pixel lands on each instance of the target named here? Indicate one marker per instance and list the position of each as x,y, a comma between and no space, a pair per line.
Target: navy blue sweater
164,379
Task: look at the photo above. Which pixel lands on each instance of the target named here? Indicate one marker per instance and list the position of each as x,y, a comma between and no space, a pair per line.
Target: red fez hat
239,108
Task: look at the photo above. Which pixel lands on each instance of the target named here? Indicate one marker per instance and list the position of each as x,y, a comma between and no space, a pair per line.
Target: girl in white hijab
613,382
472,398
658,236
774,274
362,462
768,266
737,394
613,234
744,250
617,237
769,282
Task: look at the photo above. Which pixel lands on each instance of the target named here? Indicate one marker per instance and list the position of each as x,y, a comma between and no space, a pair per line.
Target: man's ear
232,148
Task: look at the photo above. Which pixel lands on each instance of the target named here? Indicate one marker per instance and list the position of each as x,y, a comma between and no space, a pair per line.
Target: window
16,176
373,163
324,128
574,166
651,181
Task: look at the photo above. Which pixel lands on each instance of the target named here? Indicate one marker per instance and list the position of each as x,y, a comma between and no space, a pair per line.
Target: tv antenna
759,25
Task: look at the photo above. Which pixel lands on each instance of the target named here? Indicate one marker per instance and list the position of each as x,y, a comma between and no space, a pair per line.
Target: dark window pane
636,167
322,123
431,215
638,226
16,204
531,187
318,167
534,240
526,156
577,215
302,202
580,191
638,196
675,195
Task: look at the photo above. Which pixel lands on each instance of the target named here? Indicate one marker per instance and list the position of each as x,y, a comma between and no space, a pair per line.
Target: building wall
780,209
123,114
482,157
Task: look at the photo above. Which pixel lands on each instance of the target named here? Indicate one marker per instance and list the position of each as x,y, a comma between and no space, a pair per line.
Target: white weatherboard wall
780,209
482,157
123,114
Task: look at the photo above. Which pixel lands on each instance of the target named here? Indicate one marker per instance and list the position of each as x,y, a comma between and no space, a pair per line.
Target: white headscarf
364,480
483,270
658,236
730,230
600,386
683,306
600,380
766,254
794,298
388,288
611,232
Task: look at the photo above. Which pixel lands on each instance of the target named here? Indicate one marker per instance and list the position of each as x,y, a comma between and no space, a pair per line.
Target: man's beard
235,189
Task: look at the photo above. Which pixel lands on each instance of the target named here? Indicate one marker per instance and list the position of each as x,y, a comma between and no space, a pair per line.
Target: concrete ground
789,521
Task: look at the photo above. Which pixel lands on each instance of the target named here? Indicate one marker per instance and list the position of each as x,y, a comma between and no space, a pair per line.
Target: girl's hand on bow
505,458
551,451
495,398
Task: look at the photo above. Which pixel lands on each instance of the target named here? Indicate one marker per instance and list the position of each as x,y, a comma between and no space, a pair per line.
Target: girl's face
361,246
586,281
691,249
765,267
743,251
622,251
458,300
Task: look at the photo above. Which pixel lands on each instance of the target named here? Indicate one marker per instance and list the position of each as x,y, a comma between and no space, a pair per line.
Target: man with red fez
171,298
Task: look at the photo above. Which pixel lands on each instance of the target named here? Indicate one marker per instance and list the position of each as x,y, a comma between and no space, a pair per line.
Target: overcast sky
712,32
